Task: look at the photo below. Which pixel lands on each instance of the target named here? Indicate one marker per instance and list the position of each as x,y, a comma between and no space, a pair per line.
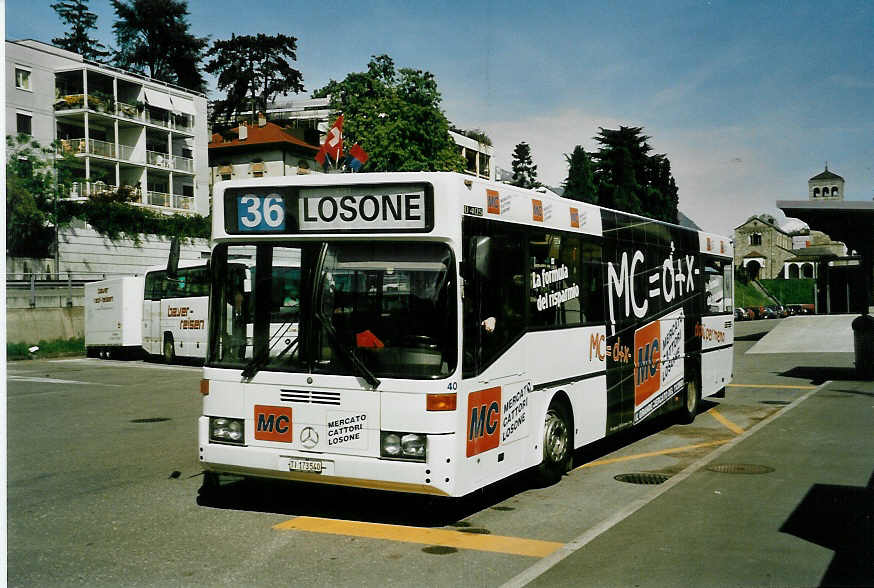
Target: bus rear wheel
556,445
691,402
169,349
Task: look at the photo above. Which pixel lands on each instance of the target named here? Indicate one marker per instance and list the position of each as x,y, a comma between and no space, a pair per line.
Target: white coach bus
175,311
449,332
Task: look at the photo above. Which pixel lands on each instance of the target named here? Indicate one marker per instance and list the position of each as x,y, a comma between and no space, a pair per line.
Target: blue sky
748,100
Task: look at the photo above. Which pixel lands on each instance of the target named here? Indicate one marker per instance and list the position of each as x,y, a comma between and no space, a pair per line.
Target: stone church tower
825,186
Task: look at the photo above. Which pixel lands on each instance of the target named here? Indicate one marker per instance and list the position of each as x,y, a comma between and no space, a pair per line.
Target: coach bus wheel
690,406
169,349
556,446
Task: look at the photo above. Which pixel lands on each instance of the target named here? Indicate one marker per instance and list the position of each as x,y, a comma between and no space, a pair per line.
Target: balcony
175,201
125,152
101,148
131,111
70,102
85,189
183,164
158,159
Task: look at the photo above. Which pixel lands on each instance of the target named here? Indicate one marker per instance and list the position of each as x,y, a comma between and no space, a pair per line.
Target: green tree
75,14
524,170
153,37
580,183
627,178
252,70
394,114
33,182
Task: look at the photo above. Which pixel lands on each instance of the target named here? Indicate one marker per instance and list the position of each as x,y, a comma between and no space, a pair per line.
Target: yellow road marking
442,537
799,387
610,460
728,424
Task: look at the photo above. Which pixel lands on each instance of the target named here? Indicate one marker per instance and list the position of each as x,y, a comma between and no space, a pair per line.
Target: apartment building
123,129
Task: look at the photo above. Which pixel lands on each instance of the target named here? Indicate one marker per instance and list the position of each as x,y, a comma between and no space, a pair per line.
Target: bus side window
555,280
717,296
591,287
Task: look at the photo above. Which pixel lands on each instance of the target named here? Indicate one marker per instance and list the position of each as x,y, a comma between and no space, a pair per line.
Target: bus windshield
366,309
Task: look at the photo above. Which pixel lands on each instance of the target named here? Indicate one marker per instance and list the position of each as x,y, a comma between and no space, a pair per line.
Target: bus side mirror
173,259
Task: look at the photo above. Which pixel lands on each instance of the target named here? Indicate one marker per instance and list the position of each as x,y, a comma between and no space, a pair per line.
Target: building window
756,239
226,176
24,123
22,79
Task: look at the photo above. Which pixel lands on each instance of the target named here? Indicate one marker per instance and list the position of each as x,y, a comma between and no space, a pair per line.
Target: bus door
154,285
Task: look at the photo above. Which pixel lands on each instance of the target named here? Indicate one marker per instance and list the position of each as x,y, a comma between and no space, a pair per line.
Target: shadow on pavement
840,518
819,375
752,336
376,506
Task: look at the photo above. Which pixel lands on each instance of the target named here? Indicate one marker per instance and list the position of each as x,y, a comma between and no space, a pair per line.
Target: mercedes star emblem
309,438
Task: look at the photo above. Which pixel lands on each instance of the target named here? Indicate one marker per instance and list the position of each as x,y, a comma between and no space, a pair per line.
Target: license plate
313,466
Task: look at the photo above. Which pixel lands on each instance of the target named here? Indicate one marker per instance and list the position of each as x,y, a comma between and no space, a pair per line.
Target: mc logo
483,420
273,423
647,362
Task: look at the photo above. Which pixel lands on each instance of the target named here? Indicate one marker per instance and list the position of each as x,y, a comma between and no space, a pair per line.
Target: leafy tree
394,114
580,183
252,70
34,178
76,15
153,38
628,178
524,170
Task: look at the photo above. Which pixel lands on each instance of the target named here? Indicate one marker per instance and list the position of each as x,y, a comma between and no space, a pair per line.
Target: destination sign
367,208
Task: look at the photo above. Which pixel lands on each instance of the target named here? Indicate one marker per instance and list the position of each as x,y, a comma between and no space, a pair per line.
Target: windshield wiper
348,353
254,366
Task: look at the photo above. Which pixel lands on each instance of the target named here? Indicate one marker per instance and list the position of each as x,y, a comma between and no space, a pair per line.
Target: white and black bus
449,332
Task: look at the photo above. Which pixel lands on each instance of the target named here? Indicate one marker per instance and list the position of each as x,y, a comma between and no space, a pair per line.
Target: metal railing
101,148
158,199
183,202
183,163
49,290
70,102
158,159
129,111
73,146
161,122
125,152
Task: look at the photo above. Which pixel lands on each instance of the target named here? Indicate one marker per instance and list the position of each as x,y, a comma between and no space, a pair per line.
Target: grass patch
54,348
746,295
791,291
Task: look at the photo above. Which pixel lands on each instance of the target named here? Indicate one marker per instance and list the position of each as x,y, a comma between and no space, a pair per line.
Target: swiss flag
333,145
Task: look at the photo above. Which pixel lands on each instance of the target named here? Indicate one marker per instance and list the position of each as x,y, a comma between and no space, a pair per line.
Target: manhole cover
777,402
151,420
644,478
739,468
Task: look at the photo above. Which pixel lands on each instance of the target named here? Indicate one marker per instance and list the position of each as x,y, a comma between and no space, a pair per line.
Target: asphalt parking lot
770,485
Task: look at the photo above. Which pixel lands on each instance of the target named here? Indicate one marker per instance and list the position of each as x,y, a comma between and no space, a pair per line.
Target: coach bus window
717,288
591,282
555,288
494,293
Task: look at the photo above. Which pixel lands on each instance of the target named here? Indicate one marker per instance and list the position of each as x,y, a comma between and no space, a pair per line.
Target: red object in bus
367,339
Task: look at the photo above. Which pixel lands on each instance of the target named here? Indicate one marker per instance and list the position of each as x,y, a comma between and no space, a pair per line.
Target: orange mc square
493,202
537,210
273,423
575,218
647,364
483,420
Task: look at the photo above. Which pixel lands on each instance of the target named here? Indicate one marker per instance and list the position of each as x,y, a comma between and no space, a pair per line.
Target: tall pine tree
580,183
628,178
252,70
75,14
153,37
524,170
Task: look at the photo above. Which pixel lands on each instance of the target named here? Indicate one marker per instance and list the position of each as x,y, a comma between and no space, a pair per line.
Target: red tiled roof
269,133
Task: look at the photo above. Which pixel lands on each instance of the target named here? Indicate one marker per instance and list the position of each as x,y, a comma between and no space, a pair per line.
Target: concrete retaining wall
30,325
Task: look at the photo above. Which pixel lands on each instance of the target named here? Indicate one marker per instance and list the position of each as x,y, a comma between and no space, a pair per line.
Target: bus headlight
223,430
409,446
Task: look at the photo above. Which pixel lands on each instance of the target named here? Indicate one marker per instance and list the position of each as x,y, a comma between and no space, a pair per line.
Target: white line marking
545,564
134,364
56,381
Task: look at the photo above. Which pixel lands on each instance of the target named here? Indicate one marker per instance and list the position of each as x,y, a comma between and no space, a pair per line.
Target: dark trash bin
863,345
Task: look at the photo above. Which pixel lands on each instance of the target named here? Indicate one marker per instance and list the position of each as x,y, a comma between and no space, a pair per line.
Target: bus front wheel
556,445
169,349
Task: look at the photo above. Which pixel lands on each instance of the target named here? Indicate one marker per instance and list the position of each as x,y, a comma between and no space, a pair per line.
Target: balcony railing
158,159
183,163
159,198
125,152
154,119
129,111
70,102
72,146
86,189
101,148
183,202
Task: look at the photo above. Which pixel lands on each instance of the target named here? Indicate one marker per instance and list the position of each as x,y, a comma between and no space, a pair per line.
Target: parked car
770,312
740,314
